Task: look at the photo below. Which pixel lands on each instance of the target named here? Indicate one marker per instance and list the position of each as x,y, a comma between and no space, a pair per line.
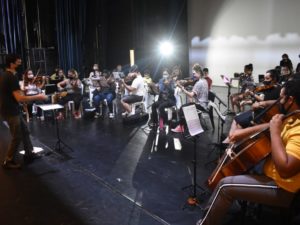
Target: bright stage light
166,48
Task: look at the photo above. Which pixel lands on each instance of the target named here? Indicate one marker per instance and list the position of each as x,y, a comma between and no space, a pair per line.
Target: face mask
267,83
30,76
165,76
95,68
71,77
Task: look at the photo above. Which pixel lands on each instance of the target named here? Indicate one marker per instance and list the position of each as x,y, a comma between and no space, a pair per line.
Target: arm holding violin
191,94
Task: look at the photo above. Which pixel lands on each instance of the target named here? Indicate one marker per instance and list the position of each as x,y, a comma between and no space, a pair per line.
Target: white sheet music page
192,120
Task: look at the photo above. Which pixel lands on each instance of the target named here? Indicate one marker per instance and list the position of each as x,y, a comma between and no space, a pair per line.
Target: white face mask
165,76
30,76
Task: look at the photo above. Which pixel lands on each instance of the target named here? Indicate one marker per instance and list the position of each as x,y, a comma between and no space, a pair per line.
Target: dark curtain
70,24
11,26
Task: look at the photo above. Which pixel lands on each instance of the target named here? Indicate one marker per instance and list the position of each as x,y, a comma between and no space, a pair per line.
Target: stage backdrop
224,35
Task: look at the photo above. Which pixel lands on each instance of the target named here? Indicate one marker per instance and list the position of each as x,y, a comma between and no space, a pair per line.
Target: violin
186,82
264,88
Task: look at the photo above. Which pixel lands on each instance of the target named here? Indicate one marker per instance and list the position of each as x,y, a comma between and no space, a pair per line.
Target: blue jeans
99,97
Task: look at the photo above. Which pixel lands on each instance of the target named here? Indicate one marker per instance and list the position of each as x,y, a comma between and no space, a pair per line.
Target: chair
211,98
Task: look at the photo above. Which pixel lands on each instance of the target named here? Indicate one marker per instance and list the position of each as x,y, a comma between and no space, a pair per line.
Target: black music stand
53,107
195,129
227,82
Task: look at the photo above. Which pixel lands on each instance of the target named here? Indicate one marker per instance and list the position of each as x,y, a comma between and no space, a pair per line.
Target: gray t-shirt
201,90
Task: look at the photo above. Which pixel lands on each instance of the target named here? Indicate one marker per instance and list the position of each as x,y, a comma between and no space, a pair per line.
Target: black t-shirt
8,104
272,94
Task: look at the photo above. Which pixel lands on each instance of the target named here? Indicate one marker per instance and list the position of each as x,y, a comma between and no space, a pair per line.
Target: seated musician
59,75
246,83
269,91
286,71
105,90
165,100
71,89
152,88
30,88
279,180
136,90
199,93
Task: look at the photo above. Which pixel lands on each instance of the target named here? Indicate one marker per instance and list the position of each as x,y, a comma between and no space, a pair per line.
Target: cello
242,156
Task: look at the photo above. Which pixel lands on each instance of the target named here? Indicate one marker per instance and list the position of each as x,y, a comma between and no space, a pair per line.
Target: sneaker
97,115
125,114
111,115
178,129
10,164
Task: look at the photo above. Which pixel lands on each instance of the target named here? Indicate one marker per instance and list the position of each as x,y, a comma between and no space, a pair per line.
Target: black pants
161,105
19,132
76,97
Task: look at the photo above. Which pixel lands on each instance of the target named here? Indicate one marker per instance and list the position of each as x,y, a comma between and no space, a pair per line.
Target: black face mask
71,77
266,83
283,109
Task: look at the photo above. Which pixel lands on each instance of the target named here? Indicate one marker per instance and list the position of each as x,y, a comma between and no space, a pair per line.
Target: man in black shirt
10,97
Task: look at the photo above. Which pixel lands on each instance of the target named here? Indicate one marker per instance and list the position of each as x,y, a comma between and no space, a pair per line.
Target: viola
242,156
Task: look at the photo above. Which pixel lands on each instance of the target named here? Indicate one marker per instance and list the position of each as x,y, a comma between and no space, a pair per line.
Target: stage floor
111,176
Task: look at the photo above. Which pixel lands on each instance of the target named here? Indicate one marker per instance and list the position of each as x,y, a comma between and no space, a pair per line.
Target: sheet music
192,120
47,107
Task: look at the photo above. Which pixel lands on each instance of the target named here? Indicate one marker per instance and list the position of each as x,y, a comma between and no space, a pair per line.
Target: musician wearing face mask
165,100
30,88
71,89
59,75
10,97
277,184
270,91
136,90
105,91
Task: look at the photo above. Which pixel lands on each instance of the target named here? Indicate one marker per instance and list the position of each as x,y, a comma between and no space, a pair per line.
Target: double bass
242,156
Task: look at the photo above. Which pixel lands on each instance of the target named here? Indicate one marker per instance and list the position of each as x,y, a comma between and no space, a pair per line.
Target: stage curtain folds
70,24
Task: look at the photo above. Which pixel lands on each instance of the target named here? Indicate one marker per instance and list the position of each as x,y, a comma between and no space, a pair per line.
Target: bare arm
20,97
286,164
188,93
61,84
262,104
240,134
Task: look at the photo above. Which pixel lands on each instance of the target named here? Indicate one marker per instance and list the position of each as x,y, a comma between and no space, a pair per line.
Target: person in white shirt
136,90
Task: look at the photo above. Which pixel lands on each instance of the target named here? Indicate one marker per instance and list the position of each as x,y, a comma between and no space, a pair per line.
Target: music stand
53,107
227,82
195,129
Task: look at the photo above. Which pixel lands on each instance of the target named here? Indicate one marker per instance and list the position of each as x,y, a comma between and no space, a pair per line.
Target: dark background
109,29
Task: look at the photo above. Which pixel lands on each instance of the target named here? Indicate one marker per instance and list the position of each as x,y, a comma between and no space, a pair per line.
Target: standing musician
199,93
280,179
71,91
